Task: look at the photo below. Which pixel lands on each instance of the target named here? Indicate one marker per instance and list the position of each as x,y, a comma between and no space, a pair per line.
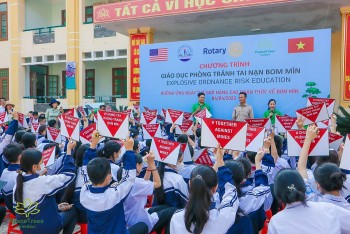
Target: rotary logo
235,49
103,13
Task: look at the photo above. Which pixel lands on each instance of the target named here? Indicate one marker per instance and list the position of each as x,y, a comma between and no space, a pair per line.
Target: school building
38,38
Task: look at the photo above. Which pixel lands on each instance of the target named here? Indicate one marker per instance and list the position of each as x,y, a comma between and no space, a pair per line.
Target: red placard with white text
86,133
313,114
202,115
186,152
174,116
163,113
165,151
22,120
335,140
202,157
112,124
35,127
255,138
318,147
54,134
147,118
49,156
324,124
328,101
187,115
345,159
70,127
81,110
186,127
285,123
153,112
136,107
260,122
151,130
230,134
71,112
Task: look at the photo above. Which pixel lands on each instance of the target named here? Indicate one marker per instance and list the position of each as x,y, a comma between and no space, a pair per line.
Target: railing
44,99
106,99
44,35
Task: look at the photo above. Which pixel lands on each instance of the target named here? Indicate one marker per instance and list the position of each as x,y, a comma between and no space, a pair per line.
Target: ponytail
203,179
109,149
329,177
159,193
19,188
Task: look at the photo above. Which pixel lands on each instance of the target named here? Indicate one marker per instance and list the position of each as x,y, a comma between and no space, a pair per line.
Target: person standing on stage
242,111
200,105
272,111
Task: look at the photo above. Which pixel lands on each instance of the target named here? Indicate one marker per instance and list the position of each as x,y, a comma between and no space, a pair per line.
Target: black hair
238,173
79,154
41,129
139,160
18,136
329,177
41,117
203,179
28,140
2,98
183,138
134,133
246,165
12,151
268,103
244,93
200,94
51,123
290,187
102,106
198,133
251,156
191,150
199,143
149,143
279,144
34,113
109,149
98,169
332,158
29,158
57,148
136,145
192,137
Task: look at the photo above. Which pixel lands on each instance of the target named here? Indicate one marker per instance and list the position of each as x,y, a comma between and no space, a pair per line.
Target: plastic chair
83,228
149,201
163,231
268,218
13,227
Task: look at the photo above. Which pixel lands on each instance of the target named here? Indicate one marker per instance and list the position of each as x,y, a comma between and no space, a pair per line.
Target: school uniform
41,139
81,179
345,192
175,189
39,200
268,166
280,164
114,169
104,205
9,175
221,218
135,202
320,218
186,172
5,140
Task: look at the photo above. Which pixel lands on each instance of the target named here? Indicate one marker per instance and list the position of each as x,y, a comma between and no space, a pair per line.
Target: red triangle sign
286,121
151,129
186,125
204,158
299,137
165,147
148,117
252,132
187,115
2,116
146,108
260,122
224,130
311,112
81,111
86,133
152,112
334,137
54,132
174,114
113,120
69,112
35,127
164,112
70,122
317,101
201,114
47,155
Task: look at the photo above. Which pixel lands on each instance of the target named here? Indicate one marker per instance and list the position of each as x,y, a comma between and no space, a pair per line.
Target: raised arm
311,134
152,169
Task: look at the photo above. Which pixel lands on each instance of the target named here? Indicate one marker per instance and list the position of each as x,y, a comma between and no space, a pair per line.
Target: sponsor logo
235,49
185,53
214,51
265,48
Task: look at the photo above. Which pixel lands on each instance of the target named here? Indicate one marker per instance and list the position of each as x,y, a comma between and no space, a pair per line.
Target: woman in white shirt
201,214
301,216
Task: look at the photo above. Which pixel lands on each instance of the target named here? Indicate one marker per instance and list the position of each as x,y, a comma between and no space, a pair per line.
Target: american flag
156,55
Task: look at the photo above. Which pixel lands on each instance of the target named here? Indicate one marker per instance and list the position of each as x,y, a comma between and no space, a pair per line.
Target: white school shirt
320,218
135,202
280,164
345,192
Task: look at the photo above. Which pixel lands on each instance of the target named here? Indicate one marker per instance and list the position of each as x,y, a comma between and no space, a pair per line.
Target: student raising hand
129,142
311,133
258,158
219,157
95,138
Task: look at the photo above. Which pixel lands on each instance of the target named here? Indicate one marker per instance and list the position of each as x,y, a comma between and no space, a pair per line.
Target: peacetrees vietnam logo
185,53
30,206
265,48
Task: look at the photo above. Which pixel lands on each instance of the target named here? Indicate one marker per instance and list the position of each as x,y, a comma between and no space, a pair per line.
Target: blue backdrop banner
288,67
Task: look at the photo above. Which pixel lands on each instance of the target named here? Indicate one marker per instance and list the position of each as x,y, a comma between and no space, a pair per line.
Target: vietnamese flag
301,45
